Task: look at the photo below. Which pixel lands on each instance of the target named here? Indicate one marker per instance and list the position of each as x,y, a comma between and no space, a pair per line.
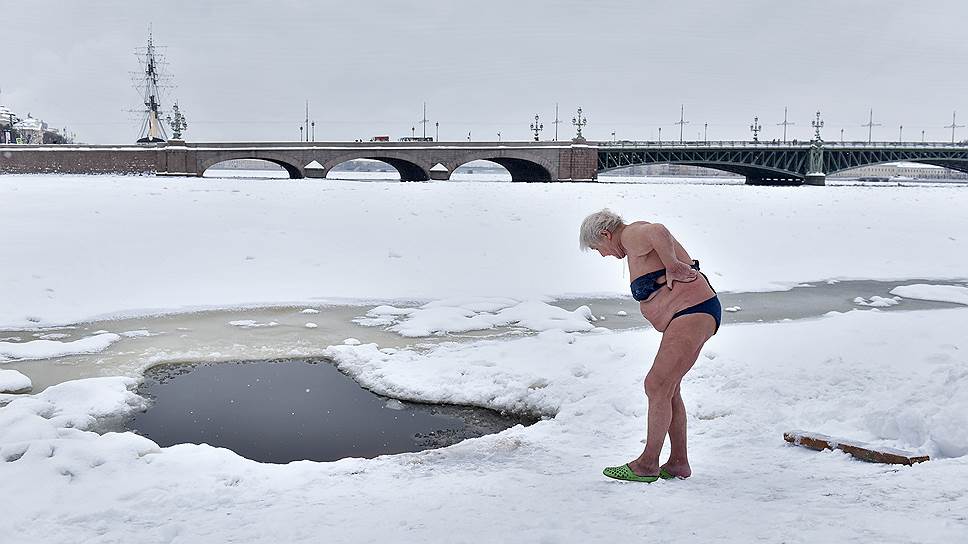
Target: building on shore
879,172
29,130
7,120
670,170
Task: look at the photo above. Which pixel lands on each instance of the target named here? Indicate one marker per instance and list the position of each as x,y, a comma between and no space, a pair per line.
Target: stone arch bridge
759,162
415,161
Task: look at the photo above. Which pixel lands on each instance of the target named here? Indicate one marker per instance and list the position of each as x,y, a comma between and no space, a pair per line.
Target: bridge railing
770,144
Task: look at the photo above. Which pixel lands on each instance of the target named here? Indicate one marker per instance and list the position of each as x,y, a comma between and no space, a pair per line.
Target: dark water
288,410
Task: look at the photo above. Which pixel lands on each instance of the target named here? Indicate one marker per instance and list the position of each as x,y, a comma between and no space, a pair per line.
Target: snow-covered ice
463,315
51,336
910,368
251,324
140,333
12,381
896,379
942,293
302,262
878,301
46,349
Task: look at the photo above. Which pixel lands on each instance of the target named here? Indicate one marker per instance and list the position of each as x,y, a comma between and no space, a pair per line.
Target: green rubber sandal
625,473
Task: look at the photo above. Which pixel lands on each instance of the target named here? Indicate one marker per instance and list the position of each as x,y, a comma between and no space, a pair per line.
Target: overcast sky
244,69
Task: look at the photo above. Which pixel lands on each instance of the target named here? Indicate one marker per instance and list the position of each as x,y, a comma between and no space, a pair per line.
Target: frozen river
476,294
280,332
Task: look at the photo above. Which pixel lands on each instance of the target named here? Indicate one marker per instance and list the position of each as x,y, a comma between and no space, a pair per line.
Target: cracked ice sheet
475,314
896,379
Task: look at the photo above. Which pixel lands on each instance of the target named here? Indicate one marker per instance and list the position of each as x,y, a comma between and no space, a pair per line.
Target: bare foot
679,470
643,469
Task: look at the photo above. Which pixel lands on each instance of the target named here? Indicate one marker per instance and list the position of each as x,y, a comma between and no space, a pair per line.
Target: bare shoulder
636,237
640,228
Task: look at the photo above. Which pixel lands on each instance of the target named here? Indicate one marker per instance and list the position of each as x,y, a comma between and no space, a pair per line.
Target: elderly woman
679,302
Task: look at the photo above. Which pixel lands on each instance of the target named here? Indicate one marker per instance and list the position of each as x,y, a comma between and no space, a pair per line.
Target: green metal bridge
772,163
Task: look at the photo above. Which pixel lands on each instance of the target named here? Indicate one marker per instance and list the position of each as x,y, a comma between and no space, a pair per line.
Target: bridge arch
521,166
409,170
759,165
295,172
754,174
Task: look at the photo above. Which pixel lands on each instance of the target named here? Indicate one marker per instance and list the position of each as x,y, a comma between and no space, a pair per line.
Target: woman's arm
656,237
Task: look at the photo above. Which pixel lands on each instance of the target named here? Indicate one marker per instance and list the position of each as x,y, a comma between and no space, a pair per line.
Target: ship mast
152,129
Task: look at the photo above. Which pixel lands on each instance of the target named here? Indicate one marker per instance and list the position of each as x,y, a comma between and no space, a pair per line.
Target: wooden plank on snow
860,450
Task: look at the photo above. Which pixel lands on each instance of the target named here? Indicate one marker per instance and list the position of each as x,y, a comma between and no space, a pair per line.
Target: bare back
650,262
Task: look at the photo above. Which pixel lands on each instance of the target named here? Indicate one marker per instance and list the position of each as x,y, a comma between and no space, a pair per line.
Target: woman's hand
680,272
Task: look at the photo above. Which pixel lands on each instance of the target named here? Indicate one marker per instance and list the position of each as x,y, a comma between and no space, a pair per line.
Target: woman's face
610,246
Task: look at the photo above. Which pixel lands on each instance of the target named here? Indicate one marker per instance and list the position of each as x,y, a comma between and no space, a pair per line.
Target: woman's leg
678,463
678,351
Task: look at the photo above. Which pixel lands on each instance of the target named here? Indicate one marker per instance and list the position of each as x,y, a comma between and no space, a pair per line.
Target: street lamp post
176,121
900,131
437,131
841,135
536,127
705,132
660,135
313,125
300,133
755,128
499,136
579,122
817,125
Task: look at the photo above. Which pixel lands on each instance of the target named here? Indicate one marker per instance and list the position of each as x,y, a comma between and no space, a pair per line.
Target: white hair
590,235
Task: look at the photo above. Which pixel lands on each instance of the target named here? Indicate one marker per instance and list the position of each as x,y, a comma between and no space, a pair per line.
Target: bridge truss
769,163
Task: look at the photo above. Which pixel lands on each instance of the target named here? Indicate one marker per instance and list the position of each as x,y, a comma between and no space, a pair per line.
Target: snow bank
897,379
48,432
861,382
450,239
46,349
12,381
942,293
